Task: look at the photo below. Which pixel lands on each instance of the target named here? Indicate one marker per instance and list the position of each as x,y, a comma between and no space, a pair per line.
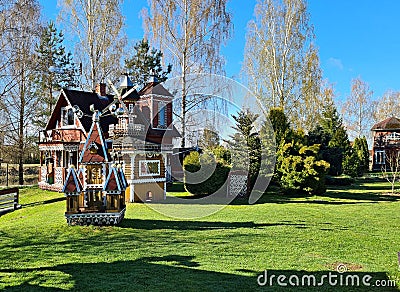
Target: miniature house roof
72,184
391,123
114,182
95,148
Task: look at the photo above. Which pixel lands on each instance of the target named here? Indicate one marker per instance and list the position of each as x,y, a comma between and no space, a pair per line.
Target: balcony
126,130
384,143
61,135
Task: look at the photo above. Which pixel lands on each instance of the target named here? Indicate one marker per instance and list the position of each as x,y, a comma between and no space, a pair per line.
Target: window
70,117
380,157
149,196
130,108
149,167
162,115
93,148
94,174
67,117
64,120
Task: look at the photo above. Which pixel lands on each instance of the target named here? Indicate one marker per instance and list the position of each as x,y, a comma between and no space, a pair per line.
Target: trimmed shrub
300,170
200,164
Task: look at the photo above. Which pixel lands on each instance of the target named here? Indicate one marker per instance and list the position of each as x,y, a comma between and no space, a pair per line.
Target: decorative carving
95,218
58,176
43,173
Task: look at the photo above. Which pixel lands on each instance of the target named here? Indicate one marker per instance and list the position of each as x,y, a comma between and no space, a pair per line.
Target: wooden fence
9,199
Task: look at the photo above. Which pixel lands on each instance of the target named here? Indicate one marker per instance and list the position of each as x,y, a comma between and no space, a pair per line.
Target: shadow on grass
50,201
197,225
180,273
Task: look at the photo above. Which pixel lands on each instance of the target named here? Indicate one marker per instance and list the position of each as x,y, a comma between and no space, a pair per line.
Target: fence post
16,199
7,175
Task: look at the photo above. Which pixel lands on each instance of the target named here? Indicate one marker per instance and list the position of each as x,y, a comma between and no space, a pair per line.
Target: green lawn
357,226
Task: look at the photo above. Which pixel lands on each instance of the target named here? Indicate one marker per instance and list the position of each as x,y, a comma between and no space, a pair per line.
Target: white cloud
336,63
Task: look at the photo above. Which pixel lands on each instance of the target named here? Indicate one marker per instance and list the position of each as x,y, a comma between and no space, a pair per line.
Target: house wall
156,188
387,145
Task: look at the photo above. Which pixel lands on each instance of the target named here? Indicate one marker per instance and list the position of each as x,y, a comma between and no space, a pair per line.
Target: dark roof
154,88
391,123
84,100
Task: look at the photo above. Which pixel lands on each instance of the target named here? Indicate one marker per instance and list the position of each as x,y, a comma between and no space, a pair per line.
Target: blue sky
354,37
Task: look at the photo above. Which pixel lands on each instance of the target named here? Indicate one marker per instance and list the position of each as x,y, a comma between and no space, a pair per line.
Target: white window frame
130,108
381,154
393,136
145,162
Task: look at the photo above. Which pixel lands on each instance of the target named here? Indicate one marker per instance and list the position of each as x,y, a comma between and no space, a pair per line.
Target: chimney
101,89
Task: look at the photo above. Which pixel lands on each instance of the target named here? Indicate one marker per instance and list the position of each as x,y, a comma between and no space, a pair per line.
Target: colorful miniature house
95,193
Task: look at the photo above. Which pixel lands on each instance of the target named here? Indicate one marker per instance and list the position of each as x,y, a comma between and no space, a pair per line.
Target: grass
357,226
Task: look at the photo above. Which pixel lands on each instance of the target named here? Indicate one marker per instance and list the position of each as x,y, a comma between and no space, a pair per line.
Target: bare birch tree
387,106
277,43
97,26
357,110
190,34
391,170
17,102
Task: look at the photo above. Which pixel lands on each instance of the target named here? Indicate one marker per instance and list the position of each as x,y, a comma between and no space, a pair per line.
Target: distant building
386,137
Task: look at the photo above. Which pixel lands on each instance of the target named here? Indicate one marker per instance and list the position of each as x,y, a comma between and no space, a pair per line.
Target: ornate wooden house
95,193
139,132
386,138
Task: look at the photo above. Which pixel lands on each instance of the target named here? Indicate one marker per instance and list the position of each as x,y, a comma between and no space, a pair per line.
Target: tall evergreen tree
55,70
146,62
245,145
280,124
332,136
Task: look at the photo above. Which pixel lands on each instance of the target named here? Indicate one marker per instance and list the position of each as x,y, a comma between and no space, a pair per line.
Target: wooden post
16,199
7,175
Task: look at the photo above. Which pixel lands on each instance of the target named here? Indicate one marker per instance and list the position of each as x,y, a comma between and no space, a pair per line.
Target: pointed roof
391,123
126,82
113,182
95,148
154,88
72,183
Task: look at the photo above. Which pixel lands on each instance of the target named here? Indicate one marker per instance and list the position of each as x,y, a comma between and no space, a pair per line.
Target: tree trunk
21,131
